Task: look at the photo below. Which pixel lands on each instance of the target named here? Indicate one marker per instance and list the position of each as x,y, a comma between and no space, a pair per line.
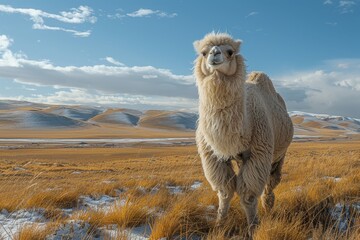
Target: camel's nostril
217,53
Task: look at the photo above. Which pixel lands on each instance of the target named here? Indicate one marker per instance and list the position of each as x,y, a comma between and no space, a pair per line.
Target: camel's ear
197,46
237,45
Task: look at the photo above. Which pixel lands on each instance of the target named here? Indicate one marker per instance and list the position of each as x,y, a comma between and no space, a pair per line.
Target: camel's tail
264,82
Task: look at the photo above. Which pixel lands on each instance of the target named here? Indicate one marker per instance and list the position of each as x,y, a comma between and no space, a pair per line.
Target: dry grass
185,217
31,233
316,176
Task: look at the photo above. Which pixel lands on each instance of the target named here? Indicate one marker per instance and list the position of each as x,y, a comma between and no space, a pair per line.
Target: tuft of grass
32,232
281,228
133,213
185,218
64,199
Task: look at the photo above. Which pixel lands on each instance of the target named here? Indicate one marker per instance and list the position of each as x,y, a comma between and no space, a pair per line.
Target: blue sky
139,54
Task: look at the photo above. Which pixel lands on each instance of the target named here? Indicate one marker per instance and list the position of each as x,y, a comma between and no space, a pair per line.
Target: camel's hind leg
268,196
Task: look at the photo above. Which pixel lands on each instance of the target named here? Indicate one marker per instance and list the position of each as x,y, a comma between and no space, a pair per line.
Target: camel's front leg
250,184
221,177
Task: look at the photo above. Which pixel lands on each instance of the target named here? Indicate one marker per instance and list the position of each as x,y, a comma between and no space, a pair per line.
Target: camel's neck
223,118
221,93
226,103
224,98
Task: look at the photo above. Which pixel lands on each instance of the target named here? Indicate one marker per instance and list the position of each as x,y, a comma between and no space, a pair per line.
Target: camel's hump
263,81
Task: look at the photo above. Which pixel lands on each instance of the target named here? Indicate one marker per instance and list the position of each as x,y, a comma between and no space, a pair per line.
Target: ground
153,191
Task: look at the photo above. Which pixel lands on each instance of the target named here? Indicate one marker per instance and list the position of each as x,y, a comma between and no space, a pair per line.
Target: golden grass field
55,178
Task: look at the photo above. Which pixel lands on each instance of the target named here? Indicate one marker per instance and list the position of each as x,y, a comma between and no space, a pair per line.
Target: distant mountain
118,116
12,104
27,115
168,120
36,119
18,114
316,122
75,112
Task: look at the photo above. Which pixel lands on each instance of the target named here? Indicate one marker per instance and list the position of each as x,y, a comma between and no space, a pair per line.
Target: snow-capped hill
37,120
169,120
36,116
324,117
118,116
76,112
13,104
304,121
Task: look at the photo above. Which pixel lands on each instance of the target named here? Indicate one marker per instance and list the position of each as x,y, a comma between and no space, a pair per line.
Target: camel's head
217,52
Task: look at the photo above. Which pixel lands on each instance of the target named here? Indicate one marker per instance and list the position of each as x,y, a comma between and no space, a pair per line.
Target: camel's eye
203,53
230,52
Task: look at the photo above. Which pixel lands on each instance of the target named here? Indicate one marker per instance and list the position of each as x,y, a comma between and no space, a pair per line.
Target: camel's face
219,58
217,53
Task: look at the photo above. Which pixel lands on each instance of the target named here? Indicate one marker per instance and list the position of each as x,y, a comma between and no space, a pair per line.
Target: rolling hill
26,116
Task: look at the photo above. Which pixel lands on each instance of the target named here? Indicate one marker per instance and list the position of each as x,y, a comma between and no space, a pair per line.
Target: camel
240,120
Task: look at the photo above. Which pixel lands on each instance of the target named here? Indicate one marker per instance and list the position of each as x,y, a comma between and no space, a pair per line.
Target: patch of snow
12,223
102,203
195,185
19,169
335,179
343,215
75,230
304,136
67,212
142,232
95,140
76,172
174,189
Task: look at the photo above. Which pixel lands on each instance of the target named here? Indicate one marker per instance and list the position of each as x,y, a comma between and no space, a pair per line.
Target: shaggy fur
239,120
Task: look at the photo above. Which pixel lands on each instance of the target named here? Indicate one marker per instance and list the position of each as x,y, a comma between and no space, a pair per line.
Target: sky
139,54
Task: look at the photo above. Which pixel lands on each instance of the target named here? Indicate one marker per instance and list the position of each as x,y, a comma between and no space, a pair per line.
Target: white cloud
334,24
82,14
252,14
334,89
142,12
150,76
346,3
4,42
346,6
88,97
328,2
136,80
113,61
